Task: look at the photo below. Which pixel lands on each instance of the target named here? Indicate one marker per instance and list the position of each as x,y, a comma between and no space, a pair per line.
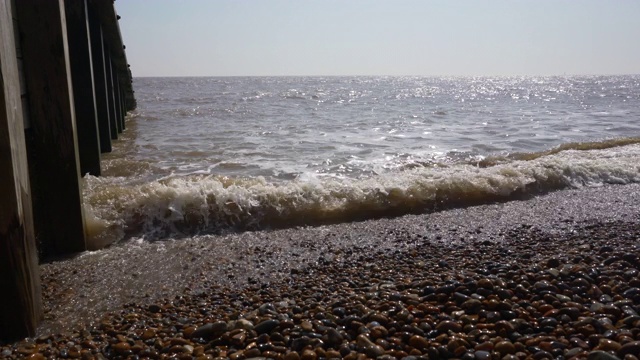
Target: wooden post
53,150
100,82
124,107
83,87
119,98
130,101
116,98
113,115
20,303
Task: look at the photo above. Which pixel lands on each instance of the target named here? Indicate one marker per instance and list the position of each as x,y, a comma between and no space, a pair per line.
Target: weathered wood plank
53,150
116,97
100,78
113,115
20,304
121,110
111,30
83,88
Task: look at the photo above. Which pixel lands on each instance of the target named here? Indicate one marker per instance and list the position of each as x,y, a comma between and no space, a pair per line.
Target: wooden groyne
65,87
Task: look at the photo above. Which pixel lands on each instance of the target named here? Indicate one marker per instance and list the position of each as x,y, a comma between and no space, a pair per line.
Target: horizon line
375,75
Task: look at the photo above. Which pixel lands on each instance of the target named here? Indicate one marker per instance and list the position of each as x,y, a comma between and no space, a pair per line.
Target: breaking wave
186,205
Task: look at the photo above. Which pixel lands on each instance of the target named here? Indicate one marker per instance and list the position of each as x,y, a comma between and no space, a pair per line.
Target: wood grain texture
113,113
100,78
83,86
20,305
53,150
119,104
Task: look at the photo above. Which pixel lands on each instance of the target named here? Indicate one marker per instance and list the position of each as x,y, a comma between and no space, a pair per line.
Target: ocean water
211,155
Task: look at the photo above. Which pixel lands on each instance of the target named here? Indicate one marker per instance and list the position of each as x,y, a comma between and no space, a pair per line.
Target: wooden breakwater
65,87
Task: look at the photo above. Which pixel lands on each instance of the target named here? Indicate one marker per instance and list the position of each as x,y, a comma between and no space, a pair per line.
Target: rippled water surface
208,154
283,127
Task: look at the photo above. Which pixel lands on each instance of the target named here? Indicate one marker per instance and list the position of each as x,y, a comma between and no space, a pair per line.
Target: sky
375,37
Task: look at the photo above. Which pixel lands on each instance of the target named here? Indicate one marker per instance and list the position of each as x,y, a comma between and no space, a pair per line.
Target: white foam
199,203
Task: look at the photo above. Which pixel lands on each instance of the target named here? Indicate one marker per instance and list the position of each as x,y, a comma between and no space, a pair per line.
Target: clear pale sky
374,37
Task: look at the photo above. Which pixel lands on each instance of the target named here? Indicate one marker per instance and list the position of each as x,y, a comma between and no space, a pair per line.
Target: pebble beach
551,277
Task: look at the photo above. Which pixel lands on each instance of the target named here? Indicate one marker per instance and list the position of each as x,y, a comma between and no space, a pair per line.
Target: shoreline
337,266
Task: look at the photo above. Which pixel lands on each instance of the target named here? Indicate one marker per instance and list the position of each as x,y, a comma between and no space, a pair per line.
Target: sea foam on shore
555,276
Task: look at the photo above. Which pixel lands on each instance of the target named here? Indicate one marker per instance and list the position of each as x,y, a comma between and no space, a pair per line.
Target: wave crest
205,203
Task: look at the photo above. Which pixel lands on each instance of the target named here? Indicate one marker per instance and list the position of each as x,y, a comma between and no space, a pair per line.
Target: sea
212,155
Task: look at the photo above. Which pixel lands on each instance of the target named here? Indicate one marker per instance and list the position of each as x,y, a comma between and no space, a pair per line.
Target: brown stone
504,328
122,348
351,356
306,326
237,355
455,343
204,357
608,345
148,334
505,347
485,283
292,355
379,331
74,352
239,338
252,353
309,354
179,341
419,342
269,354
448,325
485,346
27,349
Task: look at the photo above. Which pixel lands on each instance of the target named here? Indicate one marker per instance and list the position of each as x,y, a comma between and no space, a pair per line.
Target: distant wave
187,205
589,145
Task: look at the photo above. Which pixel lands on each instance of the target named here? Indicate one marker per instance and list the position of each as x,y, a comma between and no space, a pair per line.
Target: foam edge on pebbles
533,295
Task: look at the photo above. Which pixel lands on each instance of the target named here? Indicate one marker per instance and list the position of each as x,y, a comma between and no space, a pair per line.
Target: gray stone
210,330
266,326
601,355
572,352
630,348
243,324
334,336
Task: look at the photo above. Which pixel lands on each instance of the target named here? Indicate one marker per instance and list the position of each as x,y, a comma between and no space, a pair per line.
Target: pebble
368,347
148,334
309,354
505,347
266,326
630,348
209,331
292,355
419,342
608,345
122,348
243,324
449,325
334,337
479,306
601,355
306,326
